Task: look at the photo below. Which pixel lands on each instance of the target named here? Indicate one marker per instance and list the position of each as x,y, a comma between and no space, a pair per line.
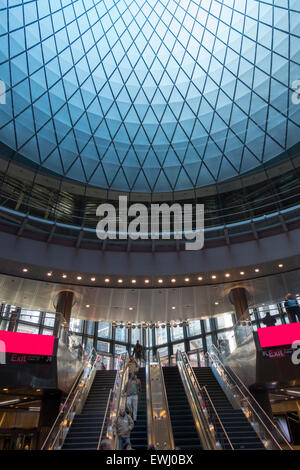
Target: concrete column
238,297
64,304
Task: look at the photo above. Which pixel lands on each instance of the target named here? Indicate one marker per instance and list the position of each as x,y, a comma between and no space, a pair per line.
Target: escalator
86,427
138,436
183,425
241,434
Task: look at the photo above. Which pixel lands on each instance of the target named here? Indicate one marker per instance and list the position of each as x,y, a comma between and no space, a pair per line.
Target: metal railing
202,419
264,427
118,397
72,405
108,404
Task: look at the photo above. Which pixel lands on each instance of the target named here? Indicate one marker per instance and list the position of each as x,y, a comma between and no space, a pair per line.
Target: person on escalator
132,366
138,352
132,390
292,308
268,320
122,427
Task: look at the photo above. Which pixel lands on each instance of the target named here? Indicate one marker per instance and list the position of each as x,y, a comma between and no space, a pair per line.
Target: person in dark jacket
268,320
138,352
292,308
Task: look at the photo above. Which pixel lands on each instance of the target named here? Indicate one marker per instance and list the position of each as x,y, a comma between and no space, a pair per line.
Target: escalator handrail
196,384
204,428
104,418
150,434
64,413
218,417
214,356
166,404
117,393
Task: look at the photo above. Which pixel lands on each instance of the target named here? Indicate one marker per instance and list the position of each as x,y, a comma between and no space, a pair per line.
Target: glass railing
264,427
72,405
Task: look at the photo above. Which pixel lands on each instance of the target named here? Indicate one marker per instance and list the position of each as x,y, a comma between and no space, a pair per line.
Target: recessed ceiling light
216,303
187,279
64,276
173,280
173,307
106,280
227,275
120,281
256,270
49,274
87,306
200,278
213,276
5,389
160,281
280,266
242,273
130,308
147,281
79,278
93,279
133,281
25,270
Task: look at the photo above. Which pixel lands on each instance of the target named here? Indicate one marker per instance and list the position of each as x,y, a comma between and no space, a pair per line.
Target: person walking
138,352
122,427
292,308
132,366
132,390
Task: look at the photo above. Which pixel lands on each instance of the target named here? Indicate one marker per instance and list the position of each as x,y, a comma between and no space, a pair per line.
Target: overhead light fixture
160,281
130,308
106,280
93,279
280,266
147,281
256,270
242,273
79,278
173,280
214,276
49,274
227,275
216,303
25,270
87,306
133,281
120,281
173,307
187,279
64,276
200,278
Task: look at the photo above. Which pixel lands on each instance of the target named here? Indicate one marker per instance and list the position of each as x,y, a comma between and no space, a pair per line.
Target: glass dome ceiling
149,95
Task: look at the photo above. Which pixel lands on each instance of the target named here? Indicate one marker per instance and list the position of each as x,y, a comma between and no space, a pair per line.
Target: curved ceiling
149,95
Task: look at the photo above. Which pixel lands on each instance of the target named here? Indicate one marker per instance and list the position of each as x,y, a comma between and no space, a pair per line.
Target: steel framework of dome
149,95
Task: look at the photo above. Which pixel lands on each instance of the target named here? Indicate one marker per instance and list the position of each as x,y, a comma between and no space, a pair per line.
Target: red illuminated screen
26,343
280,335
